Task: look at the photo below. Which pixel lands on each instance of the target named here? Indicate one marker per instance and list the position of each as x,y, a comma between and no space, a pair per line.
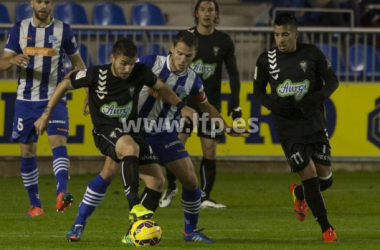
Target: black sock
150,198
315,202
207,176
298,191
171,180
130,179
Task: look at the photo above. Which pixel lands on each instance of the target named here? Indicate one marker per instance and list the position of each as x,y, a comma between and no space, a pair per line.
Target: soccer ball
145,233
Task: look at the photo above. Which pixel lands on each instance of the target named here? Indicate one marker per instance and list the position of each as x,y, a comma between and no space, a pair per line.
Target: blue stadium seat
147,14
152,49
112,14
71,13
4,15
104,52
362,61
85,56
23,11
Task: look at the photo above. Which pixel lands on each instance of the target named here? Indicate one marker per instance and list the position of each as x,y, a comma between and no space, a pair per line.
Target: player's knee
190,183
325,182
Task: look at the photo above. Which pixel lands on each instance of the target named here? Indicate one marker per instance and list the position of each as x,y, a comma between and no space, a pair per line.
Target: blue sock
96,190
61,165
29,173
191,202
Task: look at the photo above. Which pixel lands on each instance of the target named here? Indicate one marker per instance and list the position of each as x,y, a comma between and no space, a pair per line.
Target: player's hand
67,76
310,103
41,124
20,60
189,114
236,112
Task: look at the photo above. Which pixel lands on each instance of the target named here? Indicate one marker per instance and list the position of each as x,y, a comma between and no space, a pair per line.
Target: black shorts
300,150
208,130
105,141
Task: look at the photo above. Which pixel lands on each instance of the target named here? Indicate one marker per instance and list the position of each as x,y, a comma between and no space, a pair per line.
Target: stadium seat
23,11
71,13
147,14
112,14
4,15
152,49
104,53
85,56
362,58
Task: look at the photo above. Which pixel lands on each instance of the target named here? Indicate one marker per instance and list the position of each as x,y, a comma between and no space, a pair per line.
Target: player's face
286,38
41,9
206,14
181,57
122,66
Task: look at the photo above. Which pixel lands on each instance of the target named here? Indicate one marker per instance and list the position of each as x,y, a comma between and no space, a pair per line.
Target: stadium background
353,112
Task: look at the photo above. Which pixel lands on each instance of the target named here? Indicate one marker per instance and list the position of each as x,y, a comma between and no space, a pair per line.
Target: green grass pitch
259,215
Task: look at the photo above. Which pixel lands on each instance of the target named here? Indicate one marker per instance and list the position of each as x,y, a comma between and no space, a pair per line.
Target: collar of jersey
31,21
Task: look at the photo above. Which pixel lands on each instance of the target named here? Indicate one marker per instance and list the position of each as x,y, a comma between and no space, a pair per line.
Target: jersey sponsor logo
114,110
33,51
27,38
81,74
73,41
216,50
204,69
303,65
288,88
53,39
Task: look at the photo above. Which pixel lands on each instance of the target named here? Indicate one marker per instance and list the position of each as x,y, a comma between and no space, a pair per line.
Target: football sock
96,190
191,202
315,202
325,182
207,175
298,191
130,178
171,180
61,164
29,173
150,198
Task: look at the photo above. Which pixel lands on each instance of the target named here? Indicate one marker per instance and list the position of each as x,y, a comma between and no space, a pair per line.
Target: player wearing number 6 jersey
300,78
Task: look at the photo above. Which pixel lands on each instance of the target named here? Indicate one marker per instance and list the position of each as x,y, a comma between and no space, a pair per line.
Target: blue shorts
166,146
27,113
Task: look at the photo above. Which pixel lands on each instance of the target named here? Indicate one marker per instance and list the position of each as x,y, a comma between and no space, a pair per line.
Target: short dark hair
125,47
187,37
286,19
217,19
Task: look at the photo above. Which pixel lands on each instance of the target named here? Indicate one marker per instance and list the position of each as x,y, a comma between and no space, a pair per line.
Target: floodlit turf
259,215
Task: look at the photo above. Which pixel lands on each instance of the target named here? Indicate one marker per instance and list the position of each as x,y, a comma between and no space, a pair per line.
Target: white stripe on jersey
57,32
23,34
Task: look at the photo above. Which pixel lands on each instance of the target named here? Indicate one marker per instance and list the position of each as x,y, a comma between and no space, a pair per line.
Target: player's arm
9,58
233,73
77,62
57,95
170,97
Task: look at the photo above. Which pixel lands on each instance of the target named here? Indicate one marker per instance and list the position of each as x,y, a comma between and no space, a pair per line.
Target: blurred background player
215,47
37,46
300,78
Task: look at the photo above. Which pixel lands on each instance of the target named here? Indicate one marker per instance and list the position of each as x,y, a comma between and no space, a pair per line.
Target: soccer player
37,46
215,47
113,92
300,78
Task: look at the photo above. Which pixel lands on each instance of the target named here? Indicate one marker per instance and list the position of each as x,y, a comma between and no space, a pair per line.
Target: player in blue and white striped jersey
159,130
37,46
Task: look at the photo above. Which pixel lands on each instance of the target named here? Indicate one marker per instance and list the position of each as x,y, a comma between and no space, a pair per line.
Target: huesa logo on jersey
114,110
288,88
206,70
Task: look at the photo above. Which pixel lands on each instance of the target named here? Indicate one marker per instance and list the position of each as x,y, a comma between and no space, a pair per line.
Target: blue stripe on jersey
147,106
165,73
46,65
166,107
29,70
